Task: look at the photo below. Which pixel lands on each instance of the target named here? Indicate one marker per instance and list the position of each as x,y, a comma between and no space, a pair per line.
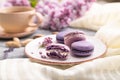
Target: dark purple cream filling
57,54
57,51
57,47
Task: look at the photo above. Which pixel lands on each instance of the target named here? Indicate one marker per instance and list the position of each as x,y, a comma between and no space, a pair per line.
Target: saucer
27,32
33,50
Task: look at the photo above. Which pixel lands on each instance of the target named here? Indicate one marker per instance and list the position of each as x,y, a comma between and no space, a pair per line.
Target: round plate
33,50
28,31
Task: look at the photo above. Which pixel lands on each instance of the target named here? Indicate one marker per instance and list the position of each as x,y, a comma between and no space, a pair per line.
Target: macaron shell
82,45
60,35
73,37
60,41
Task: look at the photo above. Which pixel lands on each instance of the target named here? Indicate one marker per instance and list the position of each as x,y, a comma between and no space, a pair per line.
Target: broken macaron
57,51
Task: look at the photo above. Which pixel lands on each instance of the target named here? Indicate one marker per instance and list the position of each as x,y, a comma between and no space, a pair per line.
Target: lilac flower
56,15
7,51
19,2
59,15
5,4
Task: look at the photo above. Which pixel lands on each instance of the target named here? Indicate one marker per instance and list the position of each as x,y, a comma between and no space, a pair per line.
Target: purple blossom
57,15
5,4
19,2
7,51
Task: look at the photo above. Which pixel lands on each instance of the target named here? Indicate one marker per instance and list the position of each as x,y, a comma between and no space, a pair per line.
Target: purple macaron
73,37
82,48
60,36
57,51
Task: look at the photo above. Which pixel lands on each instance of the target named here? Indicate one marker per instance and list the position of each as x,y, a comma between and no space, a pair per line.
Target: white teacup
16,19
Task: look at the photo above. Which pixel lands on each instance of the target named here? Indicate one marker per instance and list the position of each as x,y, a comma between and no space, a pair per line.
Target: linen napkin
98,16
110,35
22,69
107,68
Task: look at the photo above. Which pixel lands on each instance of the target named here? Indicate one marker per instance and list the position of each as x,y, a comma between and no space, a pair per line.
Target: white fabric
110,35
22,69
107,68
99,15
105,19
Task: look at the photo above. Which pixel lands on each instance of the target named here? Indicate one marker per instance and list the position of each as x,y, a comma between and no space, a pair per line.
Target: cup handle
39,18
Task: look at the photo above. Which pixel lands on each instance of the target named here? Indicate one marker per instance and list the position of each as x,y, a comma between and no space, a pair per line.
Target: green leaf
33,2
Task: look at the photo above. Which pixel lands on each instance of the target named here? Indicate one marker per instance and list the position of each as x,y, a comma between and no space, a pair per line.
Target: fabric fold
98,16
110,35
27,70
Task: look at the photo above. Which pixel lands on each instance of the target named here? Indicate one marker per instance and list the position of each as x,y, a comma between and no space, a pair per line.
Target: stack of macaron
76,41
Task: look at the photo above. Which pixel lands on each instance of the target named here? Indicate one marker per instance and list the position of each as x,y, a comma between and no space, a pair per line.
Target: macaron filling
57,51
57,54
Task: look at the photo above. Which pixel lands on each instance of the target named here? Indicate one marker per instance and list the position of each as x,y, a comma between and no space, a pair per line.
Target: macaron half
57,51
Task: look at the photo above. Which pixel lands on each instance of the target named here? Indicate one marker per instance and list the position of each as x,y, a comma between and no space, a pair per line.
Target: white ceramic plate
33,49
